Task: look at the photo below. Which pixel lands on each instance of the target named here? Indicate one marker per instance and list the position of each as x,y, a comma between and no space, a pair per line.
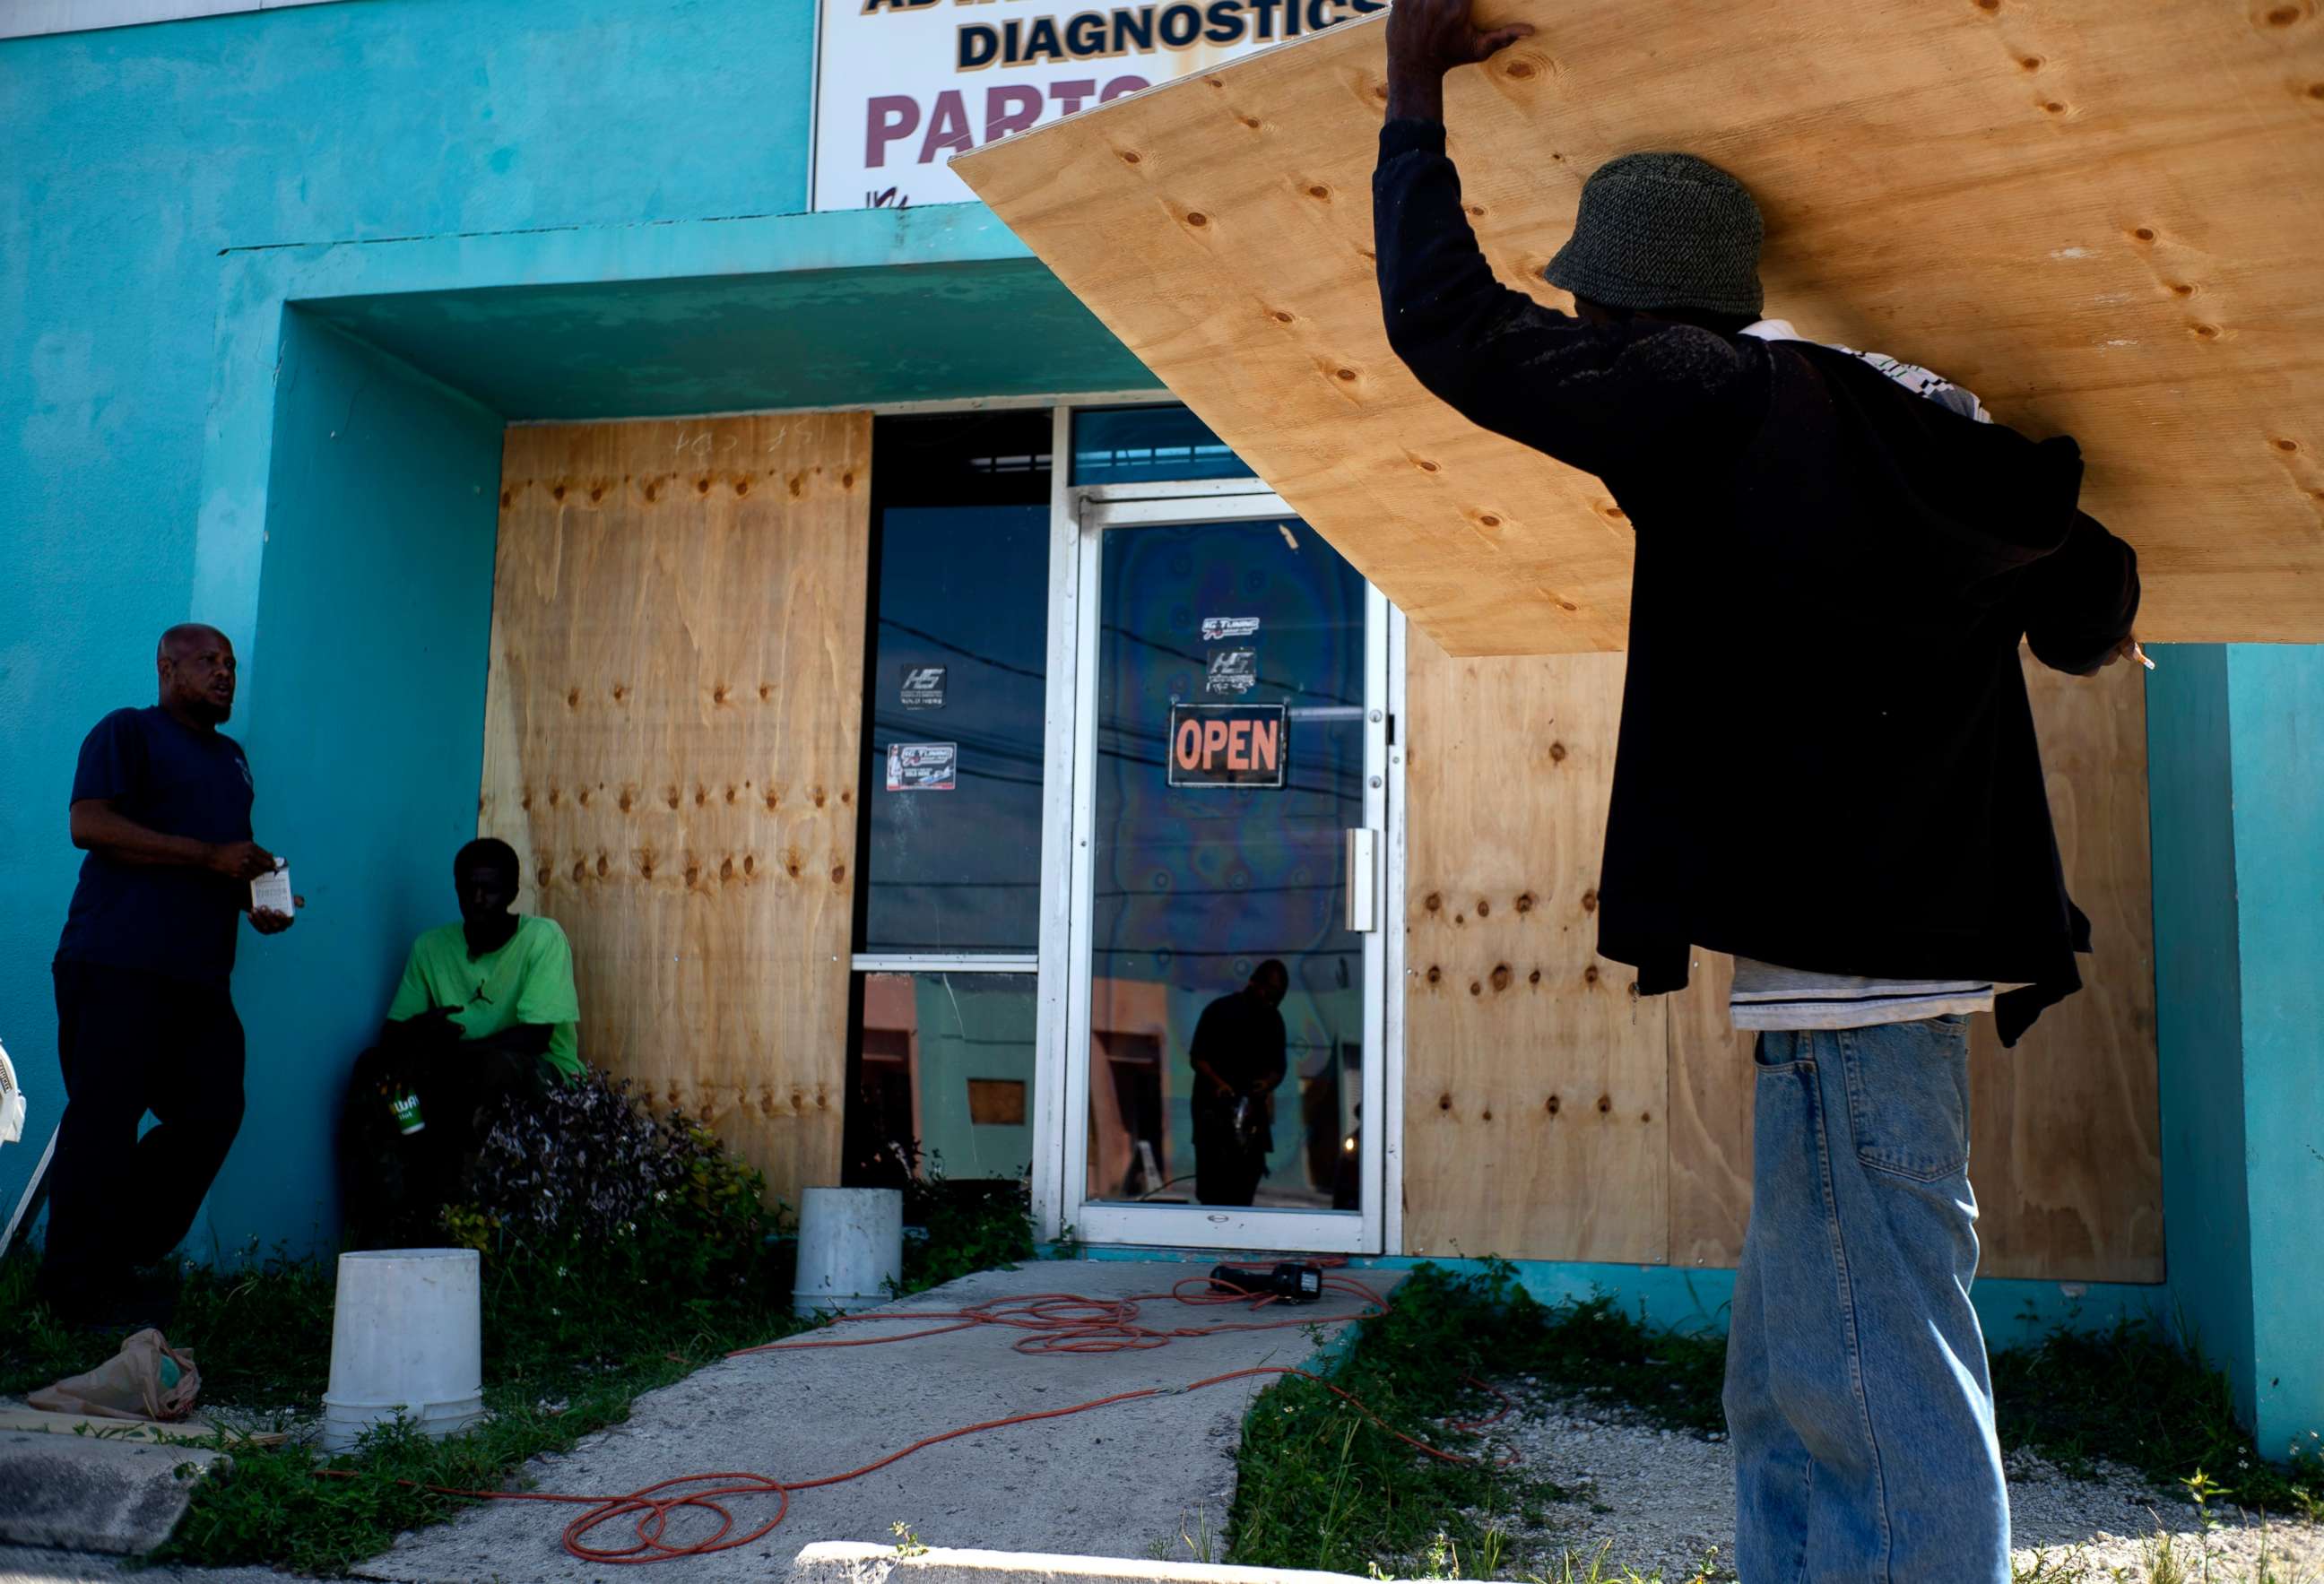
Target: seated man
486,1011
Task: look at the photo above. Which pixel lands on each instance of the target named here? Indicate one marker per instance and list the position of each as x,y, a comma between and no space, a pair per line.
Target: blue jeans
1858,1394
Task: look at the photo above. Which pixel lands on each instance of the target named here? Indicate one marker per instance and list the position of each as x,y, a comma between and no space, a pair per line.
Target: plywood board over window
1549,1115
671,743
2101,215
2066,1151
1534,1074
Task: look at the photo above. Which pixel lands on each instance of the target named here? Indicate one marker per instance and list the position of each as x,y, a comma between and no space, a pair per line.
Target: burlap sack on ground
127,1386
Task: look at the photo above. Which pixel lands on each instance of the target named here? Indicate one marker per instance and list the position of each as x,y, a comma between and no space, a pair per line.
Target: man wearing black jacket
1858,816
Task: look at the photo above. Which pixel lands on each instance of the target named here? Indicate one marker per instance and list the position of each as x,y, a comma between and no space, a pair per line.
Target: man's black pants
130,1042
1228,1166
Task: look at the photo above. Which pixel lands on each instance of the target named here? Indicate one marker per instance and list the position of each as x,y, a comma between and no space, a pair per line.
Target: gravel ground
1664,1498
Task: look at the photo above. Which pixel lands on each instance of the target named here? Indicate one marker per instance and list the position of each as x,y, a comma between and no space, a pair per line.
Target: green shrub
971,1225
588,1178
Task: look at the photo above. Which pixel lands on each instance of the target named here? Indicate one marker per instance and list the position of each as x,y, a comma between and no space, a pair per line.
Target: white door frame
1080,515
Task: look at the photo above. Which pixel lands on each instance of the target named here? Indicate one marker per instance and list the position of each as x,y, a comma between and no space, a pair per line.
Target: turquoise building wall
374,617
2197,1005
270,283
2235,739
146,169
2276,709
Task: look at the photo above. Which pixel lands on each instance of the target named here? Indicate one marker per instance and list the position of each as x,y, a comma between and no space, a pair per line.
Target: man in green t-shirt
487,1012
502,982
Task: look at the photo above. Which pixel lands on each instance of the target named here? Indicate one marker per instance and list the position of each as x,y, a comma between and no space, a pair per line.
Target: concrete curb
88,1493
849,1561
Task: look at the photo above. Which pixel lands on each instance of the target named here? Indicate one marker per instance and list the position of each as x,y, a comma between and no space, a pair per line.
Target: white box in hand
270,893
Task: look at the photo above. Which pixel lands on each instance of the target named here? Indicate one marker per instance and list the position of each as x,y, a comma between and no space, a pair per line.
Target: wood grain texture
2101,215
1534,1074
2066,1152
1711,1085
2066,1148
672,726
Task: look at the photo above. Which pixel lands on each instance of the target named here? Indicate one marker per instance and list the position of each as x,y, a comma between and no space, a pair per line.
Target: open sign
1226,745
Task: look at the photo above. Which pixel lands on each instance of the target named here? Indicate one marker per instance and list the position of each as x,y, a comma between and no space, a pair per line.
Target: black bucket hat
1664,231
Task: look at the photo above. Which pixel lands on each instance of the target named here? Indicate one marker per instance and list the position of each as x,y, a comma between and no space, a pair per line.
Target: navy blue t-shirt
177,922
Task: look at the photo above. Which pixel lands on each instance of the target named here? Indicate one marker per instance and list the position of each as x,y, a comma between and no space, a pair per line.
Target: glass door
1227,1005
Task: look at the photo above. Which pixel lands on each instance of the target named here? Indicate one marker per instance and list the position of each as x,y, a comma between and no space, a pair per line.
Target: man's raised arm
1599,396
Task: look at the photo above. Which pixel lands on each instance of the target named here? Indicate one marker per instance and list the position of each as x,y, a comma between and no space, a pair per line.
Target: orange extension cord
1053,1322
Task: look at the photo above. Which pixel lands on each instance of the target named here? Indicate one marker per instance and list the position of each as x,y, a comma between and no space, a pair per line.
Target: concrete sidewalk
1123,1481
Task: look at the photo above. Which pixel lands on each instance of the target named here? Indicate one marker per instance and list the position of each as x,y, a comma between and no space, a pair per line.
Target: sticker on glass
1215,628
922,766
1226,745
1232,670
922,687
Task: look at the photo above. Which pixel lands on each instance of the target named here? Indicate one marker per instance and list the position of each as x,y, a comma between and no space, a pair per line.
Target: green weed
1321,1488
1570,1568
1196,1536
576,1326
2130,1395
566,1354
971,1225
285,1302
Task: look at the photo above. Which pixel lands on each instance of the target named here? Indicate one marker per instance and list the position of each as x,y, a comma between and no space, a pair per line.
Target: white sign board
901,86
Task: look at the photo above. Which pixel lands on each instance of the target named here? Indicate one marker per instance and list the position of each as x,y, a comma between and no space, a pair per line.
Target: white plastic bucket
851,1246
406,1342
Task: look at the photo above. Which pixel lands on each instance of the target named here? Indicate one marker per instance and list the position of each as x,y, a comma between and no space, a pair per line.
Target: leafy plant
2130,1395
1601,1569
971,1225
623,1252
587,1162
564,1355
220,1310
1319,1486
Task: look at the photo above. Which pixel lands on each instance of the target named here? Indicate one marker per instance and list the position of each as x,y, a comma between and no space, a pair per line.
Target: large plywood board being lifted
2106,217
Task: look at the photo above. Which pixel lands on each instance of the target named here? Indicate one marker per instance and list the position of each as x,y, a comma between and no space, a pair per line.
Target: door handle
1362,879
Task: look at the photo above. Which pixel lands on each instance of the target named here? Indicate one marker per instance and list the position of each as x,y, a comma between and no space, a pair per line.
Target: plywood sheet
2102,215
1711,1085
2067,1150
2066,1154
1535,1075
673,722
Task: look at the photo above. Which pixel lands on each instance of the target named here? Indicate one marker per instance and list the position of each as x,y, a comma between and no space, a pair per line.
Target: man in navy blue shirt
160,803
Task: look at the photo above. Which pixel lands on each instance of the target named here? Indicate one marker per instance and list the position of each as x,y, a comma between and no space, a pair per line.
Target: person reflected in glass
1238,1055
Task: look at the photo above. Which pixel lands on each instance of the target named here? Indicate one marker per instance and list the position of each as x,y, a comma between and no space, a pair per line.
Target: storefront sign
1226,744
922,766
921,688
901,86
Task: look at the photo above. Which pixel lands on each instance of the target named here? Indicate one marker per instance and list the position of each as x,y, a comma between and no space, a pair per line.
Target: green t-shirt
528,980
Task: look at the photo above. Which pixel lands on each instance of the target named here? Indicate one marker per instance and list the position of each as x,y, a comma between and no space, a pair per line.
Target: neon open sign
1226,745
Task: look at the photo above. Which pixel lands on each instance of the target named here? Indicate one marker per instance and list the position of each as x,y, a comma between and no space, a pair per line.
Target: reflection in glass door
1231,743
